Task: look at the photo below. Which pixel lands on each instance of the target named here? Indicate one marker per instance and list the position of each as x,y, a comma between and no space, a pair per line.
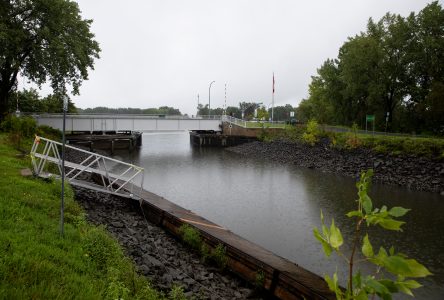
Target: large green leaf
398,211
333,285
406,267
406,286
366,202
325,245
391,224
336,239
354,213
367,248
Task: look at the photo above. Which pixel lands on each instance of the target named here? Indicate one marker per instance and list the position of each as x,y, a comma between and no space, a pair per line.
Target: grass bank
430,147
36,262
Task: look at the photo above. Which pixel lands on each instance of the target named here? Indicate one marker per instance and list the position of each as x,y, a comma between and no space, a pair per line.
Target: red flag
273,82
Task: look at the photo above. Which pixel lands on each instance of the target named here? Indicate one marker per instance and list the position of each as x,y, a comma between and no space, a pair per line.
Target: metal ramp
114,176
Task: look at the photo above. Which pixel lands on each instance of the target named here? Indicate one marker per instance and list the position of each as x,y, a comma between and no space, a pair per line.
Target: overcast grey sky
165,52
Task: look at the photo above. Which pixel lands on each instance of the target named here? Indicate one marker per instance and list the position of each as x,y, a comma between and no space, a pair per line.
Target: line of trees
393,70
281,113
163,110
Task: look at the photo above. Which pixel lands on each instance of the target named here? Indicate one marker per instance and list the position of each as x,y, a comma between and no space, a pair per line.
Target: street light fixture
209,98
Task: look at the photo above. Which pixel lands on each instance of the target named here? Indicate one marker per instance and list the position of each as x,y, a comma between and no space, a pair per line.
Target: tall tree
44,40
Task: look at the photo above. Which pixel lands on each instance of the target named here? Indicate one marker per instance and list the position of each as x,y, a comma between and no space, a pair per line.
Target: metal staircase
94,171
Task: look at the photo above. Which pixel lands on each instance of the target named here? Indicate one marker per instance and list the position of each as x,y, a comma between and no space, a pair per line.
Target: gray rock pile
415,173
159,256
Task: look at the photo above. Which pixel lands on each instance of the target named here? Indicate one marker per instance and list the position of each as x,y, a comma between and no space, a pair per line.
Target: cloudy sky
166,52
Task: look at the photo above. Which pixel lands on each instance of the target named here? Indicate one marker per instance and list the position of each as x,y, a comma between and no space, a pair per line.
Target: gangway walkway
116,177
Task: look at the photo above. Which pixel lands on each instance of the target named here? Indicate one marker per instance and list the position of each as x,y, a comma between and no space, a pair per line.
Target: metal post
62,206
209,99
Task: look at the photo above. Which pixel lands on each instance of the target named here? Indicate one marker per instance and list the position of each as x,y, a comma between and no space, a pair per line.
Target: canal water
278,205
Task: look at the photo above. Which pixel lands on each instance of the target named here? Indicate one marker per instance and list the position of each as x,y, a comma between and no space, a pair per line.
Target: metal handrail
94,163
243,123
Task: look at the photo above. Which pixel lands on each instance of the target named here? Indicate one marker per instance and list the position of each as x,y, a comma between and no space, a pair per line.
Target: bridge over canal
142,123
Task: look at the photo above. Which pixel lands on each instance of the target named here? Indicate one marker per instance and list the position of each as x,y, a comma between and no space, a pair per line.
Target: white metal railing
235,121
117,177
251,124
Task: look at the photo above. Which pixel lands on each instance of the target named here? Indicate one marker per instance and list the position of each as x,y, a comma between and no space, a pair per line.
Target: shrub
353,141
259,279
191,236
205,252
219,256
18,128
310,136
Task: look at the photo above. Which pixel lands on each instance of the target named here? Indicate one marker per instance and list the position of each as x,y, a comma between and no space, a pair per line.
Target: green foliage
18,128
219,256
29,101
394,66
353,141
310,136
60,50
205,252
397,264
266,136
177,293
191,236
259,279
395,145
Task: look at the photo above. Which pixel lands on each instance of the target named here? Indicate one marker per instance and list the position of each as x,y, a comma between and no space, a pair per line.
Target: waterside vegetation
350,139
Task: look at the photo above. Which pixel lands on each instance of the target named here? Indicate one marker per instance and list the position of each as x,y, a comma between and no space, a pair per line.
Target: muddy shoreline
409,171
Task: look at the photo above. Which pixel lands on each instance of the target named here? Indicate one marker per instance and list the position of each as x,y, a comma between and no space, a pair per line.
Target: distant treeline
280,113
394,71
163,110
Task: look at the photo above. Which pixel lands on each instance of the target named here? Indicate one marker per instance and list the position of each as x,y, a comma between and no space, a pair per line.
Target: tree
54,104
395,68
234,112
44,40
262,113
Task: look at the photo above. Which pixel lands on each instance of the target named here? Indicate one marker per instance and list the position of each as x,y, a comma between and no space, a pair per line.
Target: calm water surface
277,205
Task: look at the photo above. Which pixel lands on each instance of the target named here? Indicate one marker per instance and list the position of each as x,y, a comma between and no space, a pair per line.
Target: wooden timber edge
283,278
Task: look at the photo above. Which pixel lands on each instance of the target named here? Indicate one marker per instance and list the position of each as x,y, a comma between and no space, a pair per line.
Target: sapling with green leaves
401,268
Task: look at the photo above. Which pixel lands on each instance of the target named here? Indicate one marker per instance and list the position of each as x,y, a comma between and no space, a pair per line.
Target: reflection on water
277,205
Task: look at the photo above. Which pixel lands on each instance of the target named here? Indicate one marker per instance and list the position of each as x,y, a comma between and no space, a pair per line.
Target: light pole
62,205
209,98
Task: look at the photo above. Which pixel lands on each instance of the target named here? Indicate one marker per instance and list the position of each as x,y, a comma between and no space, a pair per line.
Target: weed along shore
408,170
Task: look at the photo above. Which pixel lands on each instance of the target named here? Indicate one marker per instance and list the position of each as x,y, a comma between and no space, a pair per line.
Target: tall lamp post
62,205
209,98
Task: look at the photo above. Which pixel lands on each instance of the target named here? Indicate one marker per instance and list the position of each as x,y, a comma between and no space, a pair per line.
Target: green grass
36,262
395,145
